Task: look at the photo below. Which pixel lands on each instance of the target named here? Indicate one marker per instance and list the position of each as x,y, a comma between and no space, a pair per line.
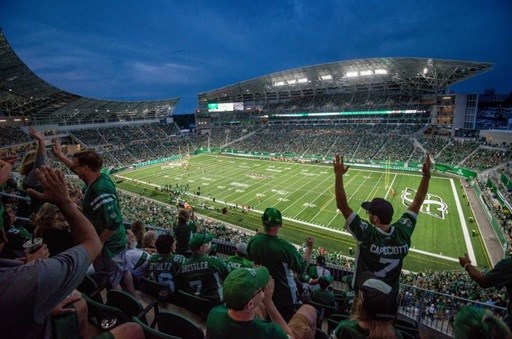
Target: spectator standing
101,206
139,230
51,225
201,274
282,260
183,230
31,161
500,276
383,246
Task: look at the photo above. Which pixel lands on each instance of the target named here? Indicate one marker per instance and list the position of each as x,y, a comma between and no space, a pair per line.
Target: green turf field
305,195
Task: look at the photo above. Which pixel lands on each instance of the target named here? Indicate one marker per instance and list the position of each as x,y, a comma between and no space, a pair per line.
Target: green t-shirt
101,206
203,276
282,259
164,268
237,261
349,329
220,325
379,252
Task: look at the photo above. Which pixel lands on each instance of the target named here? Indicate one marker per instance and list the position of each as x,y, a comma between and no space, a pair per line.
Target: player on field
381,244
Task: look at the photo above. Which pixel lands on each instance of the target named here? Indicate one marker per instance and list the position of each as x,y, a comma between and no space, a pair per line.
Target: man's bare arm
423,188
341,197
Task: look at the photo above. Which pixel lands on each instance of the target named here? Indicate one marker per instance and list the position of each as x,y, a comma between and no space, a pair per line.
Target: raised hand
339,167
34,133
55,189
427,164
56,149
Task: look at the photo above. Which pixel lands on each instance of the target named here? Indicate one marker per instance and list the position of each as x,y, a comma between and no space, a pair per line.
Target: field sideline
305,196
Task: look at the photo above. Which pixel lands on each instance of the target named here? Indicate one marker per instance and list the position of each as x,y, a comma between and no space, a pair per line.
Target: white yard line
465,231
390,186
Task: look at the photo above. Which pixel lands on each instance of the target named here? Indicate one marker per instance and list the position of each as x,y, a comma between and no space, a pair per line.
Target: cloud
158,73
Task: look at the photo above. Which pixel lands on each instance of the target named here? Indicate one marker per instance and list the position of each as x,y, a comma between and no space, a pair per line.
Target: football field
304,193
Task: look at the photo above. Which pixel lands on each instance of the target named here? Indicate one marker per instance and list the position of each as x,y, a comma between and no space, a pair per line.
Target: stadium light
291,82
366,72
279,83
351,74
425,70
326,77
381,71
302,80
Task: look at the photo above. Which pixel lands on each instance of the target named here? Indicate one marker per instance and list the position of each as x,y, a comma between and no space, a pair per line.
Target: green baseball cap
198,239
272,217
242,283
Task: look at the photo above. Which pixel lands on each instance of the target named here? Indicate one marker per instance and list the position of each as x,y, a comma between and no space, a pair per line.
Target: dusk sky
160,49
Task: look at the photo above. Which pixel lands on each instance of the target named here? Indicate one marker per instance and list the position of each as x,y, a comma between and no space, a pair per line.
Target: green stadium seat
151,333
194,303
160,292
178,325
130,306
103,316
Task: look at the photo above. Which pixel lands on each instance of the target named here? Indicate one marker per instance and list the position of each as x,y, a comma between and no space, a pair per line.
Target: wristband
466,265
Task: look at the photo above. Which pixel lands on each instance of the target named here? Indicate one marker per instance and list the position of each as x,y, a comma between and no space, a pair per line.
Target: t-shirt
237,261
203,276
220,325
501,276
349,329
379,252
164,268
183,232
28,293
101,206
137,262
282,259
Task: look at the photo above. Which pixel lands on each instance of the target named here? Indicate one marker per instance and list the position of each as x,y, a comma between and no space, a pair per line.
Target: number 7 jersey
380,252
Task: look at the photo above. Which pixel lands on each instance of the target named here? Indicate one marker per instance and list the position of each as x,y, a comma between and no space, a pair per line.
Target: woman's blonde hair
27,163
45,218
379,329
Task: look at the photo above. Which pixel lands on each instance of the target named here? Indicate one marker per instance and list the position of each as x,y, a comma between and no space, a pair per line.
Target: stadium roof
24,94
403,76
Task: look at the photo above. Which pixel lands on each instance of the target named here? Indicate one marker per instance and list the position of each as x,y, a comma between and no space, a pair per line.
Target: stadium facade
375,90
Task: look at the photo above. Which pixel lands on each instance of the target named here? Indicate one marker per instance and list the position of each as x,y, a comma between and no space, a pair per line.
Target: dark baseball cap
381,208
378,298
271,217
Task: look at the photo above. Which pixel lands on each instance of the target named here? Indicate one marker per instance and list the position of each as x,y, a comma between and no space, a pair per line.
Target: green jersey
282,259
220,325
379,252
237,261
164,268
203,276
101,206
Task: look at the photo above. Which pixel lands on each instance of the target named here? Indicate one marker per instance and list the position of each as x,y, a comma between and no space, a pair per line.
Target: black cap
381,208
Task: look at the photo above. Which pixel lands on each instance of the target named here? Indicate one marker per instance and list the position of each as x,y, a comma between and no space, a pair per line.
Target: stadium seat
91,288
194,303
151,333
130,306
409,330
103,316
319,334
161,292
178,325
